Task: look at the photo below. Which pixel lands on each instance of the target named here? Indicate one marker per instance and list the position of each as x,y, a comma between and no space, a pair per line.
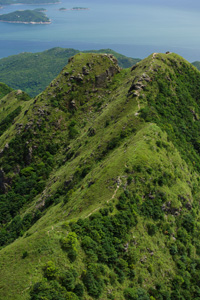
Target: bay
134,28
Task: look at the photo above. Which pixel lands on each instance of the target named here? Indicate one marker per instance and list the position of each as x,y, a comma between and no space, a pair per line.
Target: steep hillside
34,71
100,184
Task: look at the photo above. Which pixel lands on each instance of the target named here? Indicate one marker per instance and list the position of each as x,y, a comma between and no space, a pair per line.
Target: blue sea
135,28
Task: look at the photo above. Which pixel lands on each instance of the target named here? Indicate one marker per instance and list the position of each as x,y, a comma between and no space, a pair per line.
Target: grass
124,153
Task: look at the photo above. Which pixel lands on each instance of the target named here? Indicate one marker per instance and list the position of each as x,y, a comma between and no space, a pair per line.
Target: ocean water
135,28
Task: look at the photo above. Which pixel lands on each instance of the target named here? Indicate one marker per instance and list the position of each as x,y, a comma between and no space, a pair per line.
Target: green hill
25,16
100,183
36,70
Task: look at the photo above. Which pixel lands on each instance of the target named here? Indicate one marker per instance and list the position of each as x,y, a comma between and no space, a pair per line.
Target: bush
72,255
188,223
68,280
72,130
79,290
151,228
93,281
135,294
25,254
130,294
71,296
70,244
173,249
50,270
48,291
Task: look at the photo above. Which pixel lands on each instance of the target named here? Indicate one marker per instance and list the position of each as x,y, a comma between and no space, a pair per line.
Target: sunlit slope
100,184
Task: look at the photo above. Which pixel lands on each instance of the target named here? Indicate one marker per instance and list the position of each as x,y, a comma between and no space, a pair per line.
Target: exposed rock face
73,104
85,71
91,131
29,155
102,79
139,83
4,182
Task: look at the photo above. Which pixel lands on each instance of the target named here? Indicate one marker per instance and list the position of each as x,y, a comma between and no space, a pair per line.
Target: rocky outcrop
102,79
4,182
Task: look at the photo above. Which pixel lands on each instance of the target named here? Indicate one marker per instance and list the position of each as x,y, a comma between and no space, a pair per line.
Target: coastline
21,22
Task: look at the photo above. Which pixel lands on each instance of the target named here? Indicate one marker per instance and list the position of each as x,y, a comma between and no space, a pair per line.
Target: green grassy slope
34,71
100,194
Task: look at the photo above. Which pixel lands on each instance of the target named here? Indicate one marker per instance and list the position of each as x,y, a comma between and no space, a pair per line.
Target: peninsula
25,17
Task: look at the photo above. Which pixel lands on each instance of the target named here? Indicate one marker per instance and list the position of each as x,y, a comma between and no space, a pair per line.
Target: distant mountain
34,71
99,183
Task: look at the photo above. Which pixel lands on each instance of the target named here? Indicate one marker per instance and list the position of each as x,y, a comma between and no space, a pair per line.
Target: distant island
40,9
62,9
80,8
7,2
25,17
74,8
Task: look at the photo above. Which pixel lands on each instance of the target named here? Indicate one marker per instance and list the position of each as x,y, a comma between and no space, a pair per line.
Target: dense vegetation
4,90
25,16
36,70
99,183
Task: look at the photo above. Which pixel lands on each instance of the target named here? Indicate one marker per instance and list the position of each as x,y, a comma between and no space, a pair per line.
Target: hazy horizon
133,28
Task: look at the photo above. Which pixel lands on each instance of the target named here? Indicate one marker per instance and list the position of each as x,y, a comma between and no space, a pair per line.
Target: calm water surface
134,28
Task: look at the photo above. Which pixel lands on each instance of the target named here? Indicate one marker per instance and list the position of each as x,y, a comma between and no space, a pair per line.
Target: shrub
48,290
79,290
151,228
188,222
25,254
71,296
130,294
93,281
68,280
173,249
50,270
70,244
72,130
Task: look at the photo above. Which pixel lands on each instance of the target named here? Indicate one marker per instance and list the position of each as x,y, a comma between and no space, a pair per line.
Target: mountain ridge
112,158
35,71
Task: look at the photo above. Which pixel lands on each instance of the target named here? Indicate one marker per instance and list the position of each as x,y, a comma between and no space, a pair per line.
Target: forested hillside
99,183
34,71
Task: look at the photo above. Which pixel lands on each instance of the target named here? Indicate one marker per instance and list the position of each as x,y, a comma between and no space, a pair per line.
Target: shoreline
21,22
